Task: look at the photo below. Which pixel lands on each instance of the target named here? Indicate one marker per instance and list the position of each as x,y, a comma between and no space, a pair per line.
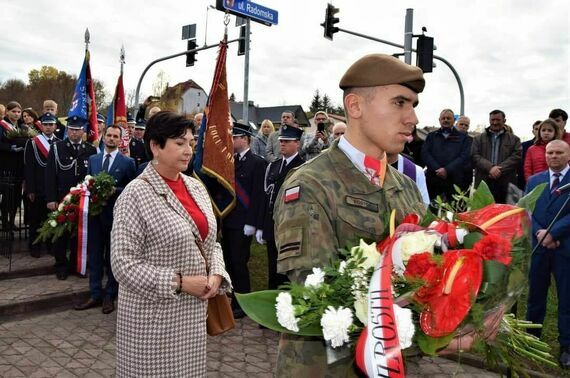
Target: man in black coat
241,223
35,162
66,167
445,153
136,148
289,142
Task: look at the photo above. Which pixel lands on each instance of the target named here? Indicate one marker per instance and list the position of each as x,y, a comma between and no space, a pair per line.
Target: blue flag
83,101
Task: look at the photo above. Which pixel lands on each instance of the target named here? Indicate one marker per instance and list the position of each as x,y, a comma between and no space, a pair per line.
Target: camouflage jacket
327,203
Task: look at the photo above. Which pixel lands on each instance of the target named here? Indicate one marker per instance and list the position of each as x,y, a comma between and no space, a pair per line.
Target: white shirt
242,154
111,158
562,174
354,155
290,158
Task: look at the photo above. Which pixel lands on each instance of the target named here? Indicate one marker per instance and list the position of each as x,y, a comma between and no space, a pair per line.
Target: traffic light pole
459,84
245,112
408,35
137,93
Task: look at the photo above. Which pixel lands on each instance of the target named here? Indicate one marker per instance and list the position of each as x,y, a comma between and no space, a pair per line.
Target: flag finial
87,37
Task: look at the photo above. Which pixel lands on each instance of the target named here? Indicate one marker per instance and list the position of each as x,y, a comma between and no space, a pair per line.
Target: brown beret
379,69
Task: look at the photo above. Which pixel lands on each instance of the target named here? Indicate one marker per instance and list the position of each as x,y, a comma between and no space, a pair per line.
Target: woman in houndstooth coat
164,280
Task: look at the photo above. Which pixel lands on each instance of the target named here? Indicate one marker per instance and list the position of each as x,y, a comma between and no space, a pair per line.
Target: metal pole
245,112
408,34
137,93
461,94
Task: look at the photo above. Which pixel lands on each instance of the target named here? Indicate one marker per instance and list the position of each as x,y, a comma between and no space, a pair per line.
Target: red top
181,192
566,137
535,160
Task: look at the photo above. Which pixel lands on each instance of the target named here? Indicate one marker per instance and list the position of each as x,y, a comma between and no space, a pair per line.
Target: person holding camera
314,144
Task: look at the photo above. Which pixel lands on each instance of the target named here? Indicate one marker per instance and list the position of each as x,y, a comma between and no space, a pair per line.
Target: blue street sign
253,11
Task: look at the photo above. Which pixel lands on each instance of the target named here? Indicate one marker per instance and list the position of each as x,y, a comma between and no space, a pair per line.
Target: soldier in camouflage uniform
346,192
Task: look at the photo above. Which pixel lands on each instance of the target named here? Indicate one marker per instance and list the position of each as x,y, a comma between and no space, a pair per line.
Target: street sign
189,31
251,10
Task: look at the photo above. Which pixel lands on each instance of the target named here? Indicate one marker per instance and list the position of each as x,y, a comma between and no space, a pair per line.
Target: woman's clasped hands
201,286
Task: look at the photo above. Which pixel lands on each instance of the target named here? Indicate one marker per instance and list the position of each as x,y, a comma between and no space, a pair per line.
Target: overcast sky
513,55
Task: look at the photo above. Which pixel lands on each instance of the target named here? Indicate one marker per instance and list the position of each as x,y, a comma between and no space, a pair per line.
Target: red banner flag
214,158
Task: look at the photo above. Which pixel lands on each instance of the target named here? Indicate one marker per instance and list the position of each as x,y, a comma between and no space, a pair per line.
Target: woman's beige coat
160,333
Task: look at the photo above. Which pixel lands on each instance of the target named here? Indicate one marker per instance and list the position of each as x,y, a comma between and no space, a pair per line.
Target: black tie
50,141
283,165
76,147
106,163
555,183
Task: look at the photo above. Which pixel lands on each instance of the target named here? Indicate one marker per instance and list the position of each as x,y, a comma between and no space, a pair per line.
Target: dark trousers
543,264
274,279
37,214
99,260
236,247
60,247
499,189
11,193
440,187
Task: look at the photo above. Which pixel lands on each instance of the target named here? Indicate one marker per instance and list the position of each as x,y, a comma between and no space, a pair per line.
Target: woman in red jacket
535,159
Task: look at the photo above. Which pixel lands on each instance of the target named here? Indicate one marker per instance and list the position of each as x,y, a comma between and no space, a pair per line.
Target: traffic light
330,21
424,53
241,43
191,57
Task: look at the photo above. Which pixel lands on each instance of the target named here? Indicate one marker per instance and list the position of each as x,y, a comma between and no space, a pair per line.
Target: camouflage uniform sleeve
303,229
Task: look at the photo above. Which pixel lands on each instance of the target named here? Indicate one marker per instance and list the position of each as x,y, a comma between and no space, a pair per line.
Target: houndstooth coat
159,333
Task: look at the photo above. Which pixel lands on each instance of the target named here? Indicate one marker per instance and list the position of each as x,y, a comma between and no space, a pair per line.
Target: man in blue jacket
445,153
123,170
553,255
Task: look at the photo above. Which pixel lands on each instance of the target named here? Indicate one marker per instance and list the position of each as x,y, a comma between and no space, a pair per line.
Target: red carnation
91,182
60,218
411,218
71,217
94,198
419,264
494,247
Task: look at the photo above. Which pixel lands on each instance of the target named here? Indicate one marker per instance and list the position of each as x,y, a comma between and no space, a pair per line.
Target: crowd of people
156,240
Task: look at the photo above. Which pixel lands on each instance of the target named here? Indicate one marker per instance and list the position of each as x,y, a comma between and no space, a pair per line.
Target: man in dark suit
35,161
66,167
241,223
123,170
136,148
289,140
553,255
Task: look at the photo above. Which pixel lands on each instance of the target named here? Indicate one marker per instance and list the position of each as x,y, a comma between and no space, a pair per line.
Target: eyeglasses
339,133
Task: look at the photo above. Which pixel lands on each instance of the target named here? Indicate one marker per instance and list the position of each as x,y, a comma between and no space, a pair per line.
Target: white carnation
335,324
60,207
342,267
315,279
67,198
405,325
53,223
286,312
87,178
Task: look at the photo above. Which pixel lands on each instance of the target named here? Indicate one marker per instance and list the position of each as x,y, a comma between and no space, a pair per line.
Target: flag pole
122,57
87,37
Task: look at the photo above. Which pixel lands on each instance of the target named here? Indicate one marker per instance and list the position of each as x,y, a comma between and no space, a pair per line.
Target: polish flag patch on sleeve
292,194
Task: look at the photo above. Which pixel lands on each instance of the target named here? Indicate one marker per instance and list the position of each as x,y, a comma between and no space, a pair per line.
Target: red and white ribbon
82,230
42,144
378,352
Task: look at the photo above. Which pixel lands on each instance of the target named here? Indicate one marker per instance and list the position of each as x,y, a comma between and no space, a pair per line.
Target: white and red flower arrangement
426,285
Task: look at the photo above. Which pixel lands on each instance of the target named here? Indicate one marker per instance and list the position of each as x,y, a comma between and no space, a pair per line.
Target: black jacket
249,191
35,164
273,182
66,168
